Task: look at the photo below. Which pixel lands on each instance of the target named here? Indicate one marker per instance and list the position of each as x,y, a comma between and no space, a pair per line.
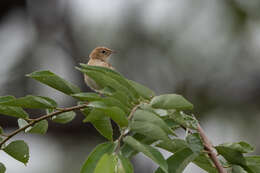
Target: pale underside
91,83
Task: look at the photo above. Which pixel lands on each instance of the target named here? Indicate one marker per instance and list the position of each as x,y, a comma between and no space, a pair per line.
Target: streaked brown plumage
98,57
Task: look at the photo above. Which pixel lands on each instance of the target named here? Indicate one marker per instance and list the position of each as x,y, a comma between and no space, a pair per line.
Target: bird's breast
98,63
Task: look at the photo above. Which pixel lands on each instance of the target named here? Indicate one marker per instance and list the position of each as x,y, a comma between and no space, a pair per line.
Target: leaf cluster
146,122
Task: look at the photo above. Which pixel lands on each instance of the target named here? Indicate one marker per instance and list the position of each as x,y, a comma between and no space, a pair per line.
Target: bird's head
101,53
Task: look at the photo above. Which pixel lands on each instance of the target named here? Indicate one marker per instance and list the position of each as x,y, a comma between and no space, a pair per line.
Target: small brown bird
98,57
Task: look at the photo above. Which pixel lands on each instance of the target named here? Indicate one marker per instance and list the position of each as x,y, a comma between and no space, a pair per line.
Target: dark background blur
207,51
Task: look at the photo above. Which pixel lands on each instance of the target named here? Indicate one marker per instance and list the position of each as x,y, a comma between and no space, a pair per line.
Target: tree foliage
146,121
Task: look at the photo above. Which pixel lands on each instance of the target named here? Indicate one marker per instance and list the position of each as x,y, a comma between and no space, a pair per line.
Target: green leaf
40,127
97,104
6,98
115,113
242,146
29,101
160,112
231,155
101,122
19,150
107,91
204,162
22,123
143,91
128,151
93,158
149,129
171,123
171,101
107,164
178,162
145,116
237,169
114,75
2,168
176,145
100,69
104,80
173,146
124,165
11,110
149,151
64,118
110,101
1,130
195,142
49,111
184,119
54,81
87,96
86,111
232,152
122,98
253,163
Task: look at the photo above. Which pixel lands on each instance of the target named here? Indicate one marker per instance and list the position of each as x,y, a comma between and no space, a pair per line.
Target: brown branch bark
133,111
210,150
33,121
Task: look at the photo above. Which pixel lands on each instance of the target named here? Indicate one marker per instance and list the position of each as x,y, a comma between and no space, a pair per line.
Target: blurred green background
207,51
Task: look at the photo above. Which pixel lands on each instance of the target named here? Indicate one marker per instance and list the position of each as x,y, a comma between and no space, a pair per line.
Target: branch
124,131
133,111
117,149
209,148
33,121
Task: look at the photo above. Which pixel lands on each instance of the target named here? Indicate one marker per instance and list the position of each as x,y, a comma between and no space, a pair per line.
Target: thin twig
209,148
119,142
59,109
33,121
4,135
133,111
123,133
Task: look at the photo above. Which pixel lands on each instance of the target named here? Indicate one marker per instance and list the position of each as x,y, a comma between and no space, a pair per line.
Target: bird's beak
113,51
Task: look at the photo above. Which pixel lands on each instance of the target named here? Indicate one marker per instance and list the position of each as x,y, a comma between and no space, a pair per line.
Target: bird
98,57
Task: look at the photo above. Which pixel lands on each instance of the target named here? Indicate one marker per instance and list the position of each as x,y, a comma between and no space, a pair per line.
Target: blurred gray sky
207,51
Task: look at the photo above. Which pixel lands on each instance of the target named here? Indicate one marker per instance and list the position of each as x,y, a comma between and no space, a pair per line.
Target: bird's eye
103,51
